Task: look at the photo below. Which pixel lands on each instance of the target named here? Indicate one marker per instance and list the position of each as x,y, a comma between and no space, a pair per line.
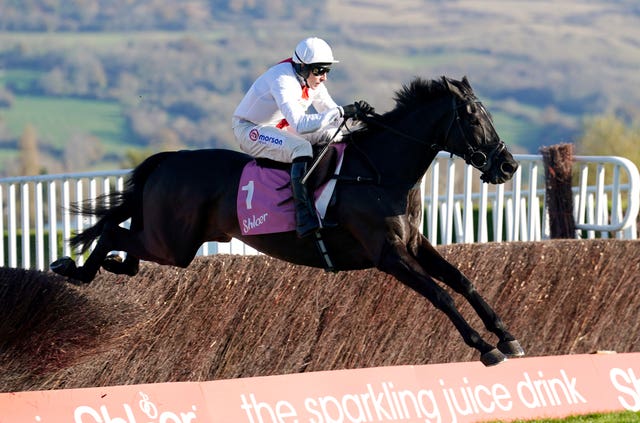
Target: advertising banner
458,392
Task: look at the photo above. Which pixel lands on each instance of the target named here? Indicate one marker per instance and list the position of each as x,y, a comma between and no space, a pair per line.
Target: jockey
273,119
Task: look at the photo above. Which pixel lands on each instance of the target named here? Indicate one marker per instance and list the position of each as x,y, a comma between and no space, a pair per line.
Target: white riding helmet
313,50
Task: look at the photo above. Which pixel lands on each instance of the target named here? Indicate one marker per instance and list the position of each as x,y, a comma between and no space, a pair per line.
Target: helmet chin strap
300,68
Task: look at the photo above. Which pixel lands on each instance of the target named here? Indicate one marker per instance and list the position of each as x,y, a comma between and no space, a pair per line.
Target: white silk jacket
277,99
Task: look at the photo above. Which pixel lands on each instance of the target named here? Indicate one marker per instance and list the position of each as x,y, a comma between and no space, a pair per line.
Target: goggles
320,70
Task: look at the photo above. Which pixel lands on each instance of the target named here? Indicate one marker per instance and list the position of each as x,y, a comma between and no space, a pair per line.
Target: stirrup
307,221
307,229
329,267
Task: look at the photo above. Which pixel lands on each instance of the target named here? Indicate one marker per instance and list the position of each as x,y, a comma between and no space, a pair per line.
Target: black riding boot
306,217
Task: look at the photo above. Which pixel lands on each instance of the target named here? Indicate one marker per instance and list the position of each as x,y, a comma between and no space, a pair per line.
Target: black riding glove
357,110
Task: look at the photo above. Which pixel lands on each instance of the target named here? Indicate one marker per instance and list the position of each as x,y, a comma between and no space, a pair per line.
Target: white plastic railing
466,211
36,218
42,206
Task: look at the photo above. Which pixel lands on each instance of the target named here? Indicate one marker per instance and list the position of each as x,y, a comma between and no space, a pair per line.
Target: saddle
265,201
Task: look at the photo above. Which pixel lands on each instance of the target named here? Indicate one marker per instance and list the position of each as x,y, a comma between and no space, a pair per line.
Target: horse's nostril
508,168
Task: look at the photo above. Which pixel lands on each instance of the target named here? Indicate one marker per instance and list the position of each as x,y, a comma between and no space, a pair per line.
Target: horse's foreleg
399,263
444,271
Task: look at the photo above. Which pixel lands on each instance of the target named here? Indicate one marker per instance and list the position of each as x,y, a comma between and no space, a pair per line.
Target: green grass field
100,41
626,417
58,119
20,78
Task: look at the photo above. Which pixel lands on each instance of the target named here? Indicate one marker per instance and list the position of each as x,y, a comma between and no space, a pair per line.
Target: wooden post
557,170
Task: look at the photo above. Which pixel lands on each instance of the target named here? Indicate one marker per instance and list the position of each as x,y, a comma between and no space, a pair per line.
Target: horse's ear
465,82
445,82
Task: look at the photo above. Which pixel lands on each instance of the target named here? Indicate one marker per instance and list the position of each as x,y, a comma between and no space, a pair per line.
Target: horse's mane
408,98
417,92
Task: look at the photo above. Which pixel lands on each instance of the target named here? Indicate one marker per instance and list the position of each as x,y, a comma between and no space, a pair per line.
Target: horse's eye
474,120
471,109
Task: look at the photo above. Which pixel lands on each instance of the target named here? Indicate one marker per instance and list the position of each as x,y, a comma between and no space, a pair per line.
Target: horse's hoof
492,357
64,266
511,349
115,264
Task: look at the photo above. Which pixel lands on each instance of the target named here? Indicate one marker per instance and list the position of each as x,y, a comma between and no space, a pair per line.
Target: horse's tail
116,207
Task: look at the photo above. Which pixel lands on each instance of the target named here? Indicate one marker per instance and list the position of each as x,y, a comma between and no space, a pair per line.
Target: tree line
174,93
178,86
141,15
181,93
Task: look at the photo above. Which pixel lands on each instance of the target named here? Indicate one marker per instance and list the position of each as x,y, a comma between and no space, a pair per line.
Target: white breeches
269,142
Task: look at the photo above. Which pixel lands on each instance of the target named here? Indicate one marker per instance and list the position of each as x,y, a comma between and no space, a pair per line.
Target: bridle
476,156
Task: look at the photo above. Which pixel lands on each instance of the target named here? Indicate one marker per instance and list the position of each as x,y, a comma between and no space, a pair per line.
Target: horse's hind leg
398,262
451,276
66,266
130,265
138,247
112,238
115,264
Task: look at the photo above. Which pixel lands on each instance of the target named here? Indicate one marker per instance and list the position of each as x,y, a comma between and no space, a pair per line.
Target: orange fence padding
458,392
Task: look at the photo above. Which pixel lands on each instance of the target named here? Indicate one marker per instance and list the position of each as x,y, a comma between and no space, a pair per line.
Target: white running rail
458,208
606,201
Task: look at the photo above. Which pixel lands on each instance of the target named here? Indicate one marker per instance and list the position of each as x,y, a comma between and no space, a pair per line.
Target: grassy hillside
540,66
64,117
539,61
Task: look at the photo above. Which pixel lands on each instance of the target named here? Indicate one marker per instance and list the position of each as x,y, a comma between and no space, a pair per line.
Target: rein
473,156
316,162
377,119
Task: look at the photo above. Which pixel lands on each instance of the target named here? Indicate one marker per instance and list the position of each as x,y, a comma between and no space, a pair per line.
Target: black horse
178,200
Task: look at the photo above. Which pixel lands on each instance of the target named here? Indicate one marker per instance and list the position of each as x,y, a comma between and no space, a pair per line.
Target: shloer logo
253,222
86,414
